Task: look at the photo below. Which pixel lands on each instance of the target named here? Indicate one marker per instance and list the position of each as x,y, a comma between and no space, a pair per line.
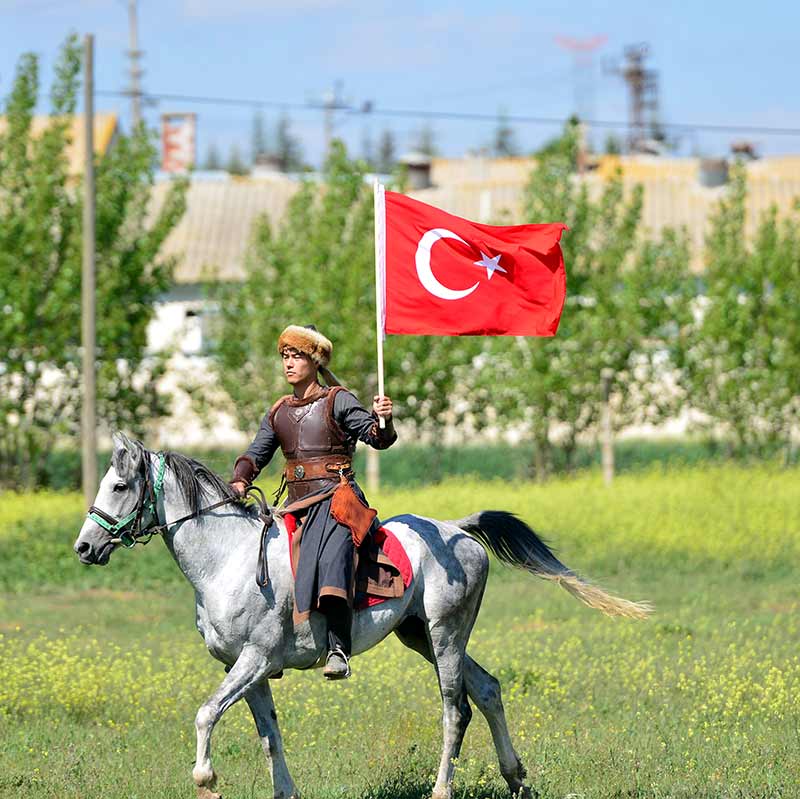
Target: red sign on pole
178,148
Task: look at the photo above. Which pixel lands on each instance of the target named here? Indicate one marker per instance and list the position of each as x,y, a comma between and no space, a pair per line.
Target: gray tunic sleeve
264,444
360,424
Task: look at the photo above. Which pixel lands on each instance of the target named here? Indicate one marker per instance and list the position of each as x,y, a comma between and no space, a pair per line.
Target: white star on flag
492,264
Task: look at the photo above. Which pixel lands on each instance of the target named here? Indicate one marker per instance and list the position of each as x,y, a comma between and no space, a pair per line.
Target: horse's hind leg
250,667
448,644
484,690
259,699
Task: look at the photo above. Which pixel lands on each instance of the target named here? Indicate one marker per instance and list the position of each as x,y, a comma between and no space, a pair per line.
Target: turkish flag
448,276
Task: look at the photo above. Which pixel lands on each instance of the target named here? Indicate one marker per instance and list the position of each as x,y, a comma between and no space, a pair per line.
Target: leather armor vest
307,431
306,428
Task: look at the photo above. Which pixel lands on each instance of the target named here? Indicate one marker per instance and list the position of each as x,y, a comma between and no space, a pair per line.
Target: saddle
383,570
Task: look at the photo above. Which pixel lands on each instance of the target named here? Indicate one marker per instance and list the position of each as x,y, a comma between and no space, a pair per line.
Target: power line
465,116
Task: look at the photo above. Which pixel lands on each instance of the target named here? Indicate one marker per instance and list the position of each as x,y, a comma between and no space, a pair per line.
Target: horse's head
119,503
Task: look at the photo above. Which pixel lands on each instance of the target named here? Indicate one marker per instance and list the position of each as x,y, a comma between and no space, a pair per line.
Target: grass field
102,670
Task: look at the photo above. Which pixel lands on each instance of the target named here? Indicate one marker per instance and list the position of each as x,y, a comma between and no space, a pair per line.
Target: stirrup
335,674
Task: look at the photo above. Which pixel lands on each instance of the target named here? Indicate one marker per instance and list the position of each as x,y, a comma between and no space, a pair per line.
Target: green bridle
128,530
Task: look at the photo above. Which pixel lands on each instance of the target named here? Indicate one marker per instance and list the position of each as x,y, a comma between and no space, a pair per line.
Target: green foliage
259,144
40,277
620,293
213,161
288,149
415,464
426,141
236,164
504,142
741,351
318,268
387,153
613,144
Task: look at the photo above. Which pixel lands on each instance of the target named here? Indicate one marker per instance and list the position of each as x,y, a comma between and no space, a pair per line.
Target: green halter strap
125,529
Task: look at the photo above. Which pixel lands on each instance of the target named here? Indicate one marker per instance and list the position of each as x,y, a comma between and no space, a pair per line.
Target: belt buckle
299,472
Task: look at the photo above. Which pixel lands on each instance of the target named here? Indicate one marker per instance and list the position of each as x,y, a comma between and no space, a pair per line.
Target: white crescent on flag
423,262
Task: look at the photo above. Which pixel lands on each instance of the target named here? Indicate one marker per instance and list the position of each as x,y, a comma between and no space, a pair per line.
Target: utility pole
134,53
331,103
606,431
88,416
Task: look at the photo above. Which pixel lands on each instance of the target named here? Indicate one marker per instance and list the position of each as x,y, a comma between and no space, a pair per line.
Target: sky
719,63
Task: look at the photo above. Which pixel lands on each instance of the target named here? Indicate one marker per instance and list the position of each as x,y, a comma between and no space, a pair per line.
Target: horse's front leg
259,698
250,667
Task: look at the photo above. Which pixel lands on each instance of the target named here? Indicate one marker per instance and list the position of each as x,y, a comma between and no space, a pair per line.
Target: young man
317,428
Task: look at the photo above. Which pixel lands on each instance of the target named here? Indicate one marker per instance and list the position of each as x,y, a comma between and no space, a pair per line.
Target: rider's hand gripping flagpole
380,280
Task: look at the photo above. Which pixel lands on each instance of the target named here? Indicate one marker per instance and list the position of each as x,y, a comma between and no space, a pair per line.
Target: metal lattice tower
643,101
582,52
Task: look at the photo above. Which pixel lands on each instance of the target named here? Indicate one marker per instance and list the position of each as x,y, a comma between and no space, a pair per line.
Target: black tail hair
513,542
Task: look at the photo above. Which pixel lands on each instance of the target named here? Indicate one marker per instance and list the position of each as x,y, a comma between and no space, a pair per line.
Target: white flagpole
380,277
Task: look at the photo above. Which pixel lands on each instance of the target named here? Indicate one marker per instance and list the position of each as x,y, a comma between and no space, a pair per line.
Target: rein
128,530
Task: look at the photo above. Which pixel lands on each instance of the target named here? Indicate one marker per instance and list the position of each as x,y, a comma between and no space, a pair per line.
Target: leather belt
315,469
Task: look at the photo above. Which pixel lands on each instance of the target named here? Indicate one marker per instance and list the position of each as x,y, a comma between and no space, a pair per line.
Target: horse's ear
125,457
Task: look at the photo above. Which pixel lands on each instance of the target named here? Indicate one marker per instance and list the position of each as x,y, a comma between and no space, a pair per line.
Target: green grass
103,671
414,465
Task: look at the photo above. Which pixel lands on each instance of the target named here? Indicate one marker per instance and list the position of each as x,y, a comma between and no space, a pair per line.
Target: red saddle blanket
383,570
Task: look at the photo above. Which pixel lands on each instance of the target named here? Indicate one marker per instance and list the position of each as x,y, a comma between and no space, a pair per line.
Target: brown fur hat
309,341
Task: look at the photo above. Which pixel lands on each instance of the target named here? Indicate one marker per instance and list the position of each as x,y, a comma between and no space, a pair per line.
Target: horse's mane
196,482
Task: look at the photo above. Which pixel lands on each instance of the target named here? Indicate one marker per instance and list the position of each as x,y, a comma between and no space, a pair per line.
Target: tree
387,155
367,149
613,145
259,146
614,319
504,144
40,277
235,165
288,150
318,268
426,141
213,161
742,349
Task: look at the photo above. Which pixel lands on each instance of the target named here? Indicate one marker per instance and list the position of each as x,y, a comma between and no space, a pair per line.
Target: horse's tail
514,543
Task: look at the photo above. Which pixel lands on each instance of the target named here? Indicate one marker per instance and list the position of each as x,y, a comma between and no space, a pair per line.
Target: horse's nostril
82,548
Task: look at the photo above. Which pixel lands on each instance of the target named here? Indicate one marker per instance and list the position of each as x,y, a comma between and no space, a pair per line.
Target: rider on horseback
317,428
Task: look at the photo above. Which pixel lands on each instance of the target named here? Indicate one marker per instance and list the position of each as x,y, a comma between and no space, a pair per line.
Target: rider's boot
337,664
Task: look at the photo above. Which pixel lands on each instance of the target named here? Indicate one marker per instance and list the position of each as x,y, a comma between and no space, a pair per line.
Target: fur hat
309,341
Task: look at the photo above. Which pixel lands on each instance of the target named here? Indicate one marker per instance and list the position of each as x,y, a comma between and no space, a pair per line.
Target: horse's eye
120,487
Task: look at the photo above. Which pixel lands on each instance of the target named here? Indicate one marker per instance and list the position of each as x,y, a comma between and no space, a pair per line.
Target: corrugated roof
105,129
489,191
213,235
215,231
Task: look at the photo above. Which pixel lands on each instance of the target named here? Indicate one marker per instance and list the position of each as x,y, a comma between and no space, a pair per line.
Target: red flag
449,276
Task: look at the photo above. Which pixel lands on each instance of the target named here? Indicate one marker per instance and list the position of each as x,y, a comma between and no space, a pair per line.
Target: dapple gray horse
250,629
